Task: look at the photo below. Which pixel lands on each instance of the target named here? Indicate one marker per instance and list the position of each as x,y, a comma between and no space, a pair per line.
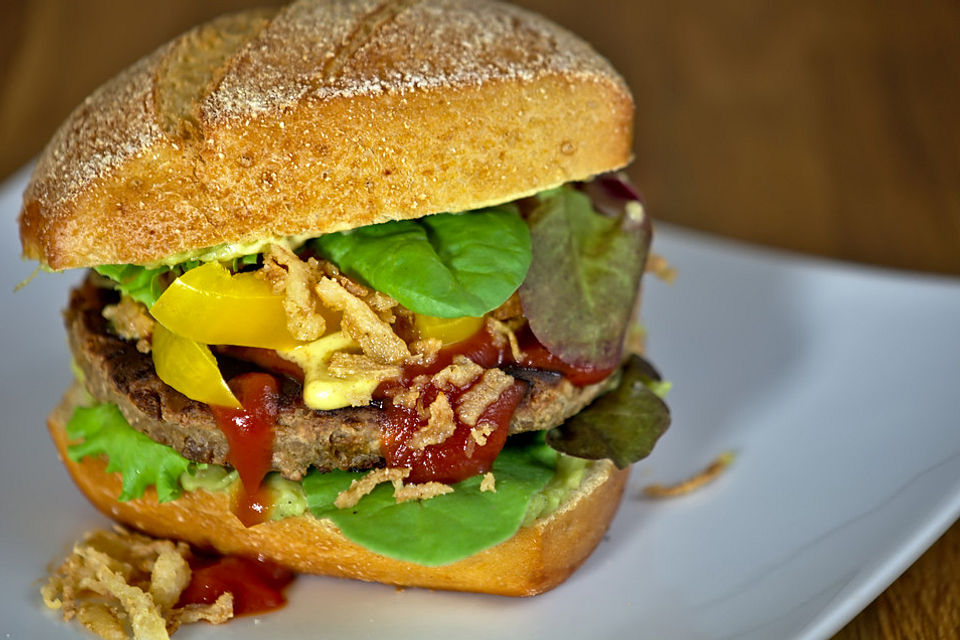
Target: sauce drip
257,585
249,432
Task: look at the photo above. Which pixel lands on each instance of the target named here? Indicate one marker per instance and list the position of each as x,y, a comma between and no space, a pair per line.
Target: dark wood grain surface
831,128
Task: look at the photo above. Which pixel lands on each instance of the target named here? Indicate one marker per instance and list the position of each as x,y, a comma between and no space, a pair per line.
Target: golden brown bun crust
535,560
323,117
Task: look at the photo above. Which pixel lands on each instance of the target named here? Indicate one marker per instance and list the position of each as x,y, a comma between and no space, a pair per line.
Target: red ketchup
536,355
459,456
257,585
249,432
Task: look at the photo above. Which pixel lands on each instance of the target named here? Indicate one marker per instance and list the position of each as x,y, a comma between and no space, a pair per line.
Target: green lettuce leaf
140,283
622,425
446,528
585,274
445,265
145,284
142,461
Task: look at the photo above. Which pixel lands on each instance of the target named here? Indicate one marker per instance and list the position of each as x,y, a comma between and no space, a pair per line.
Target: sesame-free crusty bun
324,116
537,558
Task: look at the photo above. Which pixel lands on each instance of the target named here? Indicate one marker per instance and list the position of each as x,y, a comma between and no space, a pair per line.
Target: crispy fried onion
440,425
422,491
703,477
502,332
349,497
131,321
408,398
489,483
481,432
481,395
459,373
441,420
658,266
361,322
425,351
379,302
121,584
347,365
511,311
295,280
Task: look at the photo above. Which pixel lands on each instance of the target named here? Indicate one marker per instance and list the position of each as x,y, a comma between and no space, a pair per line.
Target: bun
535,560
322,117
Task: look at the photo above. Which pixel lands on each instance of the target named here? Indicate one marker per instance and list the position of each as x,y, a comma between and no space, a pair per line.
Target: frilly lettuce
140,460
140,283
145,284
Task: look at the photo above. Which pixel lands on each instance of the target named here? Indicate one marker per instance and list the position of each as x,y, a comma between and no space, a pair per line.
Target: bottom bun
536,559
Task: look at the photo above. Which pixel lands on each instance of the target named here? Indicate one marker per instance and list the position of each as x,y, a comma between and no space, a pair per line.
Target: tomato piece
210,305
190,368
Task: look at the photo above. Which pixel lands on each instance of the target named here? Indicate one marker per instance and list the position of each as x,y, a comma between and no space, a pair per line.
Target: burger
361,278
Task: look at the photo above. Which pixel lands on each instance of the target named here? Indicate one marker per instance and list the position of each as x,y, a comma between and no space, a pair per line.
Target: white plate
836,386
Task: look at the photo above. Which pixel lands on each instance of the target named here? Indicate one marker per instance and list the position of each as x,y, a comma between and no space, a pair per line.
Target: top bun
321,117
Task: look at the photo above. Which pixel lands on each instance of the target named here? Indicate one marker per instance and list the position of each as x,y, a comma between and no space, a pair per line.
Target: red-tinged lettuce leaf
585,274
622,425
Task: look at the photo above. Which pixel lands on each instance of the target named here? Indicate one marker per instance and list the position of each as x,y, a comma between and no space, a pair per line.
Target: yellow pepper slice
448,330
190,368
209,305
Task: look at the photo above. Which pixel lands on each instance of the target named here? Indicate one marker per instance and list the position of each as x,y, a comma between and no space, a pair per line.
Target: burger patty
349,438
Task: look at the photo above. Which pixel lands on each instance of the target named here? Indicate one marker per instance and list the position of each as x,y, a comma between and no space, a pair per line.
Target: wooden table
826,127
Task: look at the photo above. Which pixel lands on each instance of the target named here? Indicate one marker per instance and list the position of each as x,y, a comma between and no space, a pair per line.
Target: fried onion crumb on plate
120,584
700,479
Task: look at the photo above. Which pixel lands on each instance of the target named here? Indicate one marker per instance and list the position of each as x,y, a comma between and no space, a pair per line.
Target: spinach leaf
622,425
445,528
583,281
446,265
